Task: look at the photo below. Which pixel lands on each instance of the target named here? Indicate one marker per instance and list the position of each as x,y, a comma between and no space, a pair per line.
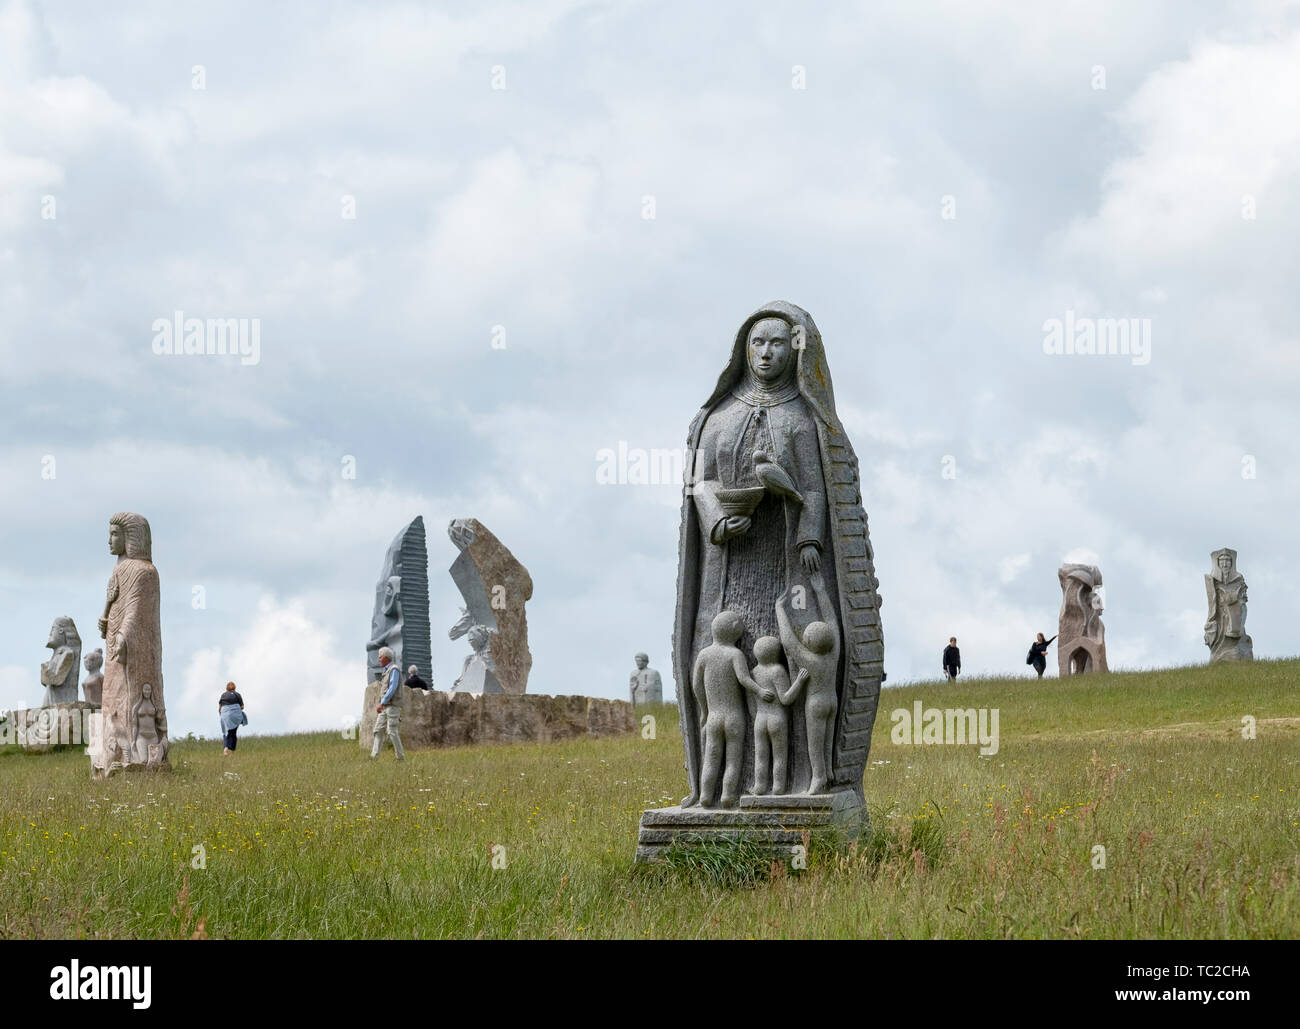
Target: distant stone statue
134,711
1081,643
496,588
92,686
59,673
478,674
645,686
1225,629
401,615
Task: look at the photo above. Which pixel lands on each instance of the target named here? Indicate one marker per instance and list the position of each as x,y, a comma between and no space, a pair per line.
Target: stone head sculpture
478,637
129,536
769,351
1225,564
63,633
95,661
392,595
642,660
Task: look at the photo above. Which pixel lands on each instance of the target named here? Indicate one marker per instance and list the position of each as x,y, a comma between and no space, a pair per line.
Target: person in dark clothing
231,719
951,659
414,681
1038,654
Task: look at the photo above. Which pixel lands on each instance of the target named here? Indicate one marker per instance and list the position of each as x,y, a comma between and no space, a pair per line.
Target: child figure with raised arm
772,718
818,655
720,671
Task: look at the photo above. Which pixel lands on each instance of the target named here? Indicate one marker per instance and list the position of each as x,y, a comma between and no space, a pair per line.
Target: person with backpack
1038,654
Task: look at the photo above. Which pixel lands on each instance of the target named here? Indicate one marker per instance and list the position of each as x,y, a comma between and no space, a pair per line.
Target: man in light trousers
389,717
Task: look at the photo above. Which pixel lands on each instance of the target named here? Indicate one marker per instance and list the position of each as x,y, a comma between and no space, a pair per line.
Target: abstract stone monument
775,564
59,674
1081,642
1225,629
133,733
92,686
401,615
495,587
645,686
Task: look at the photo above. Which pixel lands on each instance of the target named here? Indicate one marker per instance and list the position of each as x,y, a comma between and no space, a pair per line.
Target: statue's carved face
57,636
116,540
642,661
478,637
1225,562
769,349
94,661
392,589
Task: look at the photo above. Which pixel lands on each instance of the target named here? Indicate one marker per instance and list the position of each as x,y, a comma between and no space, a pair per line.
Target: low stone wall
437,719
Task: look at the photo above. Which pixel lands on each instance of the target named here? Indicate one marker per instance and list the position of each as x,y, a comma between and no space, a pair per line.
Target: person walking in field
389,712
231,709
951,659
1038,654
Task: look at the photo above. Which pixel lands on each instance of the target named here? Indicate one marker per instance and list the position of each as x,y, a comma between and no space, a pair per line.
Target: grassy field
304,837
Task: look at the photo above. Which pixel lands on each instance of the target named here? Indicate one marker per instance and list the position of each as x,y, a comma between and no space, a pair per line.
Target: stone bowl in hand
740,502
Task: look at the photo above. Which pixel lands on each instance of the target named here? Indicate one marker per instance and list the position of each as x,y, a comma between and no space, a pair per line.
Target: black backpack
1029,658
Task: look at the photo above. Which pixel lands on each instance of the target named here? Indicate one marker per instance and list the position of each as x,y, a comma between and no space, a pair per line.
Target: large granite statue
401,618
645,686
1081,641
496,588
775,567
92,686
134,728
59,674
1225,629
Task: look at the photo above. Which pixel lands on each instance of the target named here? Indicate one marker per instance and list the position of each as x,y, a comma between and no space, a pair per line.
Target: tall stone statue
774,551
59,674
645,686
134,729
401,616
1081,642
92,686
496,588
1225,629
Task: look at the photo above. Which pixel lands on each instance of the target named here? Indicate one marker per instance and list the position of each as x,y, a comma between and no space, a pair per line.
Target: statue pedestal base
778,822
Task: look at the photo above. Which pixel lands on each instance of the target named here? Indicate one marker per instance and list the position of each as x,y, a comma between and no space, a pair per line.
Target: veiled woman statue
1225,629
772,514
132,630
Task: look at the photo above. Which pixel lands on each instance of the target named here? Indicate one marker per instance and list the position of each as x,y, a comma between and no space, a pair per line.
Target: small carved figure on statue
772,718
144,725
720,672
818,653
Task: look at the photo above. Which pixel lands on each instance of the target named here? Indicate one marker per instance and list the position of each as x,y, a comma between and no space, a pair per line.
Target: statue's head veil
812,374
139,541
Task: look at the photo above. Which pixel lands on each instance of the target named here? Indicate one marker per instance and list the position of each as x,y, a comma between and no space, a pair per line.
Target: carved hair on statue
139,542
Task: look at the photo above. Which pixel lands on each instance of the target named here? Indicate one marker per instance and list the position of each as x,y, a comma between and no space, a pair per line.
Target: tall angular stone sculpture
1081,640
59,673
1225,629
645,686
496,588
775,562
401,616
134,728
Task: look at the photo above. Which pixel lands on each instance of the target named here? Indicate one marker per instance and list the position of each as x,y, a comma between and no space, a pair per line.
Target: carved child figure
818,653
772,718
720,672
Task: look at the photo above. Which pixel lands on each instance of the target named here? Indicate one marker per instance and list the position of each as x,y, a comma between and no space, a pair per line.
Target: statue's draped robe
135,612
1227,611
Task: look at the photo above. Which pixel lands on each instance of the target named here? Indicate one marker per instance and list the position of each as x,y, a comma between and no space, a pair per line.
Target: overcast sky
934,182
